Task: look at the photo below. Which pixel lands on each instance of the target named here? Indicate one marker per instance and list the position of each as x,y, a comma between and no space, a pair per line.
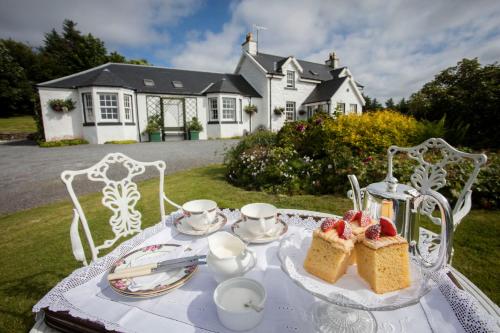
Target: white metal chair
428,175
432,175
121,196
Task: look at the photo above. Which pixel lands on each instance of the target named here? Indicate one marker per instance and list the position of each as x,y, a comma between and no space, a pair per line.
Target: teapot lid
401,191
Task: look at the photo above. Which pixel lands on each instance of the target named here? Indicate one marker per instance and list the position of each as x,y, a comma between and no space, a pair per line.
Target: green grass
19,124
36,251
62,143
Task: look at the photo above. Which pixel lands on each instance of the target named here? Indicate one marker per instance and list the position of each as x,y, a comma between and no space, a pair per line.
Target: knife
131,272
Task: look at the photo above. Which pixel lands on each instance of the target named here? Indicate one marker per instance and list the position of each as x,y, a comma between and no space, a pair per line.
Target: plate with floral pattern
154,284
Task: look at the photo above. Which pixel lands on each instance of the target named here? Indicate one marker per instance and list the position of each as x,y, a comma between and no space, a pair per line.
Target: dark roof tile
132,76
325,90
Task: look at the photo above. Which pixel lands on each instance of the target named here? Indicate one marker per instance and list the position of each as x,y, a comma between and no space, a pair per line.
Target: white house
113,101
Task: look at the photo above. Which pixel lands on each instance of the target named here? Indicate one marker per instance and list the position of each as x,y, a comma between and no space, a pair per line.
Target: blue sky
392,47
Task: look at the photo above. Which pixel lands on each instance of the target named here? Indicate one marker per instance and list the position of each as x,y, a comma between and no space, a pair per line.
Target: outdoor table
83,302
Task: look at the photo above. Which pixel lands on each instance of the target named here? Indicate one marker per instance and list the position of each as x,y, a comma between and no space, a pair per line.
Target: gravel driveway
29,175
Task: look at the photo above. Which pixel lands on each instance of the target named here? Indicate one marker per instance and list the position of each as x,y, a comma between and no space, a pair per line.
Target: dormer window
149,83
290,79
177,84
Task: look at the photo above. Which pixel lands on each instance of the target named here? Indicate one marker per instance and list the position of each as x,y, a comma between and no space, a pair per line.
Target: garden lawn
36,250
20,124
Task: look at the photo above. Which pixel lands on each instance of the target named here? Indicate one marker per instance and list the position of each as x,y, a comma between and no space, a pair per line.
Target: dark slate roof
230,84
325,90
314,71
132,77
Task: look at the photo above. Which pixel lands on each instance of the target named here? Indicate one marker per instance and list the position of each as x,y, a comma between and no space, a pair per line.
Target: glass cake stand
345,306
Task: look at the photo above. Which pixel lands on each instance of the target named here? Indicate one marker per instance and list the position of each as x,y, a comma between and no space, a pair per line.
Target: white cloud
125,23
392,47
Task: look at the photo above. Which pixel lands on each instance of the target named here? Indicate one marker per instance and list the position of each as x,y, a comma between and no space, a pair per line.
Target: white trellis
120,196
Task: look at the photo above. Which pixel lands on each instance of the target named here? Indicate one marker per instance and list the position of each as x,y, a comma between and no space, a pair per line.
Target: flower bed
315,156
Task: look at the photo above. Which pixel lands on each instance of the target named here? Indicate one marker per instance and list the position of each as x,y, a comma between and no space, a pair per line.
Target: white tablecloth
191,308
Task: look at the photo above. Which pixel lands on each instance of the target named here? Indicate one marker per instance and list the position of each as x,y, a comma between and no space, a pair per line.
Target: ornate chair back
432,175
120,196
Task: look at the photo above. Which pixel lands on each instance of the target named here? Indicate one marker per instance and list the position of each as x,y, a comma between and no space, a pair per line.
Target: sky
392,47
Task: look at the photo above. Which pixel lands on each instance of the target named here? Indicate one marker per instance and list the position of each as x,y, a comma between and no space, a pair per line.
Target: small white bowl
230,297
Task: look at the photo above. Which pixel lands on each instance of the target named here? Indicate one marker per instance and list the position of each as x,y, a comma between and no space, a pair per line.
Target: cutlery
131,272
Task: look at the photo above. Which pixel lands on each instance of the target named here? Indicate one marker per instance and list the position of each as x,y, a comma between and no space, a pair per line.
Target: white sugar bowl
240,303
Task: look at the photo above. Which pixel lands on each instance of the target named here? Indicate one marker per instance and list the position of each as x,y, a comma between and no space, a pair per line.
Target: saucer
182,226
239,229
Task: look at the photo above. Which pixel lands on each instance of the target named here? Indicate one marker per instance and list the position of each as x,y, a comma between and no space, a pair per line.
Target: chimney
250,45
333,60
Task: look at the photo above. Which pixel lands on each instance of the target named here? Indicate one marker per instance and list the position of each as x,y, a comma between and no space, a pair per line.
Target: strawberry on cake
330,251
359,221
382,258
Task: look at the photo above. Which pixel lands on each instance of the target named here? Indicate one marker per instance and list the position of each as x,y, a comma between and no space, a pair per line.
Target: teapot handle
446,235
356,192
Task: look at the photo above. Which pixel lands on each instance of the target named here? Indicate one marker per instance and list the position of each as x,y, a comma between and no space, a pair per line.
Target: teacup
259,218
200,214
240,303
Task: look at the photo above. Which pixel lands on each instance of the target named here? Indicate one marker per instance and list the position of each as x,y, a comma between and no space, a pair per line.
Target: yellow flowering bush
373,132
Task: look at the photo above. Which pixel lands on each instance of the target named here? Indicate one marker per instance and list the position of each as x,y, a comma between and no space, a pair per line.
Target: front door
173,118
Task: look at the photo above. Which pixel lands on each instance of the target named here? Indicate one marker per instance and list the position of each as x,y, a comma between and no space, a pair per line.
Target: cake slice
382,258
331,248
359,222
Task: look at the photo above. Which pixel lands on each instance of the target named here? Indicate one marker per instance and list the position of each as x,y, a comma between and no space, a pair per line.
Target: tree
116,57
15,89
389,104
402,106
468,95
72,52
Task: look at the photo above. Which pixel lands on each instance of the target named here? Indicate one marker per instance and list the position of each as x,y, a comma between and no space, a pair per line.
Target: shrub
315,156
62,143
62,105
195,125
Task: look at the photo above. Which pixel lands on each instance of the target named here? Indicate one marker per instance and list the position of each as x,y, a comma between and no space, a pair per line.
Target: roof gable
311,70
325,90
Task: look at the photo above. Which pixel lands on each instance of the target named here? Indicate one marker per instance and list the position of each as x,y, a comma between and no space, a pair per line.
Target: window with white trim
212,109
290,111
229,109
88,107
341,107
109,107
127,106
290,79
353,108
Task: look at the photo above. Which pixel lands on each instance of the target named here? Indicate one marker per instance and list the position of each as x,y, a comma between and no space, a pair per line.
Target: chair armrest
76,242
171,202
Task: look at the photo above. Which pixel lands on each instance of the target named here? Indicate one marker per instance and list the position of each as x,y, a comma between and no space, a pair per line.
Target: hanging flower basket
62,105
302,112
251,109
279,111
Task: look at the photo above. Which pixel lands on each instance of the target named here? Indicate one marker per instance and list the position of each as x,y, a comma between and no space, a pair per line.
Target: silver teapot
401,204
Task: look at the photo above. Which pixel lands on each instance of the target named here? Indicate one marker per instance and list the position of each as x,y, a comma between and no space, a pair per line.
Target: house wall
59,125
346,94
258,80
280,94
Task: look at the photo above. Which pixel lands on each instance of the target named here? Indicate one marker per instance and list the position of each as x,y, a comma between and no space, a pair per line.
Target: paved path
29,175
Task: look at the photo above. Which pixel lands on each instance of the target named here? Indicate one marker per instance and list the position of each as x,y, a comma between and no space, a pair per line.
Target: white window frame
310,111
290,79
213,109
228,109
128,109
290,109
107,108
353,108
341,106
88,107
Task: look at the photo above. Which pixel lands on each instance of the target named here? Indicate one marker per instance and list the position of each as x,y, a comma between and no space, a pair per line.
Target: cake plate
345,306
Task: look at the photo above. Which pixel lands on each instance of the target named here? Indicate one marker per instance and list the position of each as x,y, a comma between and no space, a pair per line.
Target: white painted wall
346,94
280,94
59,125
258,80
